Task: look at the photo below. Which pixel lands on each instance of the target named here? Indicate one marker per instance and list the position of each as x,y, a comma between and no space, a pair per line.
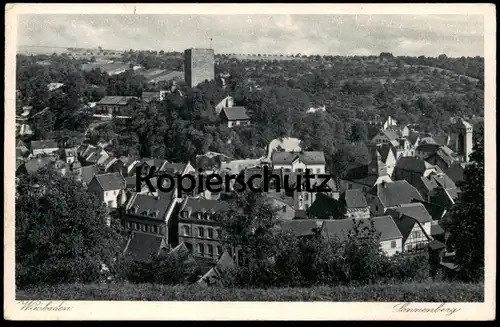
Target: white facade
299,166
391,247
44,151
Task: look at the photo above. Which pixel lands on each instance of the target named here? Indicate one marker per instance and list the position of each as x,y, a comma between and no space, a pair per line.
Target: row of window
201,232
144,227
209,249
199,215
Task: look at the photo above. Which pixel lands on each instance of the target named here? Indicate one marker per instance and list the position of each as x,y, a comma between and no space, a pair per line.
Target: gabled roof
413,164
43,144
301,227
34,165
413,138
308,157
391,134
236,113
110,181
143,246
405,225
354,199
173,167
384,151
414,210
395,193
88,173
385,225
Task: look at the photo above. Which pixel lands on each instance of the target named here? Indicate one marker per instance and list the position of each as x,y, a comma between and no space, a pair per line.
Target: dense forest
277,94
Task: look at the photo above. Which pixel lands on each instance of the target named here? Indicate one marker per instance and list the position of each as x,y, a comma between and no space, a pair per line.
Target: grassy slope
410,292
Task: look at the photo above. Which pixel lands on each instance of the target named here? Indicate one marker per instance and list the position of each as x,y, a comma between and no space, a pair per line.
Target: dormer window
207,216
198,215
184,214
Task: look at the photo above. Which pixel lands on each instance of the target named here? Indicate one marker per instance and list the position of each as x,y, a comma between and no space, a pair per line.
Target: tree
61,231
466,221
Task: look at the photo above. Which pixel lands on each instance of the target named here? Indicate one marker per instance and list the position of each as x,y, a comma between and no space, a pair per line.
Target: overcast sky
428,35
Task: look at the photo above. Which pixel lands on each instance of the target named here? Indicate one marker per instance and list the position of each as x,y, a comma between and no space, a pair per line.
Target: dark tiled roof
148,205
34,165
405,224
88,172
436,230
308,157
414,210
385,225
395,193
384,151
110,181
43,144
115,100
428,148
200,205
173,168
301,227
413,164
354,199
413,138
236,113
391,134
435,210
143,246
436,245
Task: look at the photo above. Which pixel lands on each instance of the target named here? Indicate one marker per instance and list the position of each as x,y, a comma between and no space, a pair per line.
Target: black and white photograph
243,155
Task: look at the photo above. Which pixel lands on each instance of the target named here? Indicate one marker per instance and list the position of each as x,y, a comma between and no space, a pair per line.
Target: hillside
409,292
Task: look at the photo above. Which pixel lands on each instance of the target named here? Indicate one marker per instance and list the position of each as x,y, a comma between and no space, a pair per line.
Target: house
299,161
106,164
416,211
227,102
44,147
145,164
108,188
286,205
33,165
114,105
415,236
385,195
425,150
402,148
222,269
86,173
70,155
443,157
412,169
157,96
302,227
431,185
354,204
96,157
286,144
390,123
391,240
143,245
150,214
125,165
235,116
54,86
366,176
387,155
384,136
211,161
198,229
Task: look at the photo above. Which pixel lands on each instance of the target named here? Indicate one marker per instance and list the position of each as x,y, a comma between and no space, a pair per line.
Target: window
210,233
201,232
283,208
184,214
201,248
198,215
219,233
318,171
110,204
376,207
155,229
207,216
186,231
210,249
416,234
130,225
349,186
137,226
144,227
306,197
219,250
299,170
393,244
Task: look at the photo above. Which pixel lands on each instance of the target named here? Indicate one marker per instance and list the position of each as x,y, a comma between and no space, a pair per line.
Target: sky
405,35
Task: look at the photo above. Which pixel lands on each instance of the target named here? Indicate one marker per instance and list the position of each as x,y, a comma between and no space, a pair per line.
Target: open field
409,292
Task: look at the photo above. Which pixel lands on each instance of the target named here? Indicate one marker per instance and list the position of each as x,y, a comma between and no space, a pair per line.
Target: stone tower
463,139
199,65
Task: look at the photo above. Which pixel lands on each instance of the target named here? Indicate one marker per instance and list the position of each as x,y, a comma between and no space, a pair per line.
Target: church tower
463,139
